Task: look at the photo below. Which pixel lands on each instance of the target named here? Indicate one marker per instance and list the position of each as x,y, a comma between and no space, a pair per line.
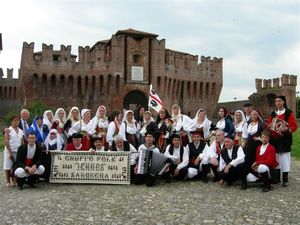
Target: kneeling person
179,156
198,158
265,162
28,162
232,159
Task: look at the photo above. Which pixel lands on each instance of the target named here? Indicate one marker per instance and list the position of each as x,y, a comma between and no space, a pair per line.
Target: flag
154,101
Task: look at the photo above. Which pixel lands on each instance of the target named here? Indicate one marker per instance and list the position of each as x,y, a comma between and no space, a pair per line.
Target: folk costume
41,131
266,163
28,155
165,128
240,133
225,122
113,127
203,124
181,125
282,138
48,119
97,127
148,126
129,129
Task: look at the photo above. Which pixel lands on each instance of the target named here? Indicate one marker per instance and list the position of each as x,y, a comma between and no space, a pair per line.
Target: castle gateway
117,73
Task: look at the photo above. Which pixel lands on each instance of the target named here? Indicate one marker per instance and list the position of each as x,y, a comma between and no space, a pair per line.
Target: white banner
86,167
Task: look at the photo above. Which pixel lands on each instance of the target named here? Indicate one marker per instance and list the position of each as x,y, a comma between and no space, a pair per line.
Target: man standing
23,125
28,162
248,107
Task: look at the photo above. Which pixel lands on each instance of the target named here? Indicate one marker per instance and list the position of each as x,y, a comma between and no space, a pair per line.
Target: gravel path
190,202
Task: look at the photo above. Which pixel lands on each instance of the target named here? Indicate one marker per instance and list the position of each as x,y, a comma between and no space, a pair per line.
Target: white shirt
235,162
15,139
263,149
176,156
212,151
133,153
31,151
252,129
221,124
241,128
110,133
130,128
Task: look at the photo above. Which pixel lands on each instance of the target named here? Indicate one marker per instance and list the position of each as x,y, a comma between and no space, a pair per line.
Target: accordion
278,125
151,163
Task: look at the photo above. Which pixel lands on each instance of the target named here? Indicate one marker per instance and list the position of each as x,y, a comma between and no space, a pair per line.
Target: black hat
97,139
197,132
175,136
77,135
248,104
150,133
229,136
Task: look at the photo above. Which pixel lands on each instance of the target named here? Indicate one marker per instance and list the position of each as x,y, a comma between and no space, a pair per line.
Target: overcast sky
256,39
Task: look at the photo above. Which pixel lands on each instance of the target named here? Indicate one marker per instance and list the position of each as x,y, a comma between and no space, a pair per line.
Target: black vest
126,146
171,151
194,152
225,156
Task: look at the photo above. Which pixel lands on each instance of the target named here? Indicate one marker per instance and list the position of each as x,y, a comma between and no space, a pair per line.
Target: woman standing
13,139
164,124
240,126
148,125
202,123
129,129
115,120
97,127
225,121
282,139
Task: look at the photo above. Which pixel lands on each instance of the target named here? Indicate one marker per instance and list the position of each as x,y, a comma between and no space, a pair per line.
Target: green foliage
296,145
37,108
1,142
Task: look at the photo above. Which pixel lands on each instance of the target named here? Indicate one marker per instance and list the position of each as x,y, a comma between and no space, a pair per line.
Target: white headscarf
125,116
96,121
206,123
70,116
58,140
243,116
83,111
46,121
56,117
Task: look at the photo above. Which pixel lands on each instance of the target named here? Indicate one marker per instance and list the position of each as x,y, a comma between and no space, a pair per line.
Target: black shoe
216,179
285,184
244,186
20,182
266,189
205,180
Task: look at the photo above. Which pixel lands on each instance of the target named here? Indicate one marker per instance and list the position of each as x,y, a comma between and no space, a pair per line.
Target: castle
117,73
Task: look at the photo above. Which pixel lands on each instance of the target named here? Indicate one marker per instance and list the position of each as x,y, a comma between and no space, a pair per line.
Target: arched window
44,84
101,83
10,92
15,93
62,85
93,85
70,86
35,83
86,85
79,88
117,84
158,83
53,85
108,84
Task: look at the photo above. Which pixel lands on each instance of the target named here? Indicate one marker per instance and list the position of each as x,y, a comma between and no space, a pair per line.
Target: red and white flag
154,101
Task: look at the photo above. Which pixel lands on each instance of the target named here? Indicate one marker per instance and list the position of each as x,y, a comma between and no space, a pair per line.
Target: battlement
9,74
285,80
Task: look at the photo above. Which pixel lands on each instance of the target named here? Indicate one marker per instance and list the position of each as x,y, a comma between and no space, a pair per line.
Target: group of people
239,146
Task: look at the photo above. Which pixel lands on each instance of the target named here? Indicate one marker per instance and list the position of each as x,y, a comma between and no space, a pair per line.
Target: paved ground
172,203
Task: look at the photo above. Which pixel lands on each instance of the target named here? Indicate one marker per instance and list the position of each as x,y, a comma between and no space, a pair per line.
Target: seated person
148,145
76,144
198,158
265,162
232,159
180,158
214,153
28,162
97,145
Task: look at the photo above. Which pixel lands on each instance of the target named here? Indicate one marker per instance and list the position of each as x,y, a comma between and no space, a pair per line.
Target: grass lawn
296,145
1,142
